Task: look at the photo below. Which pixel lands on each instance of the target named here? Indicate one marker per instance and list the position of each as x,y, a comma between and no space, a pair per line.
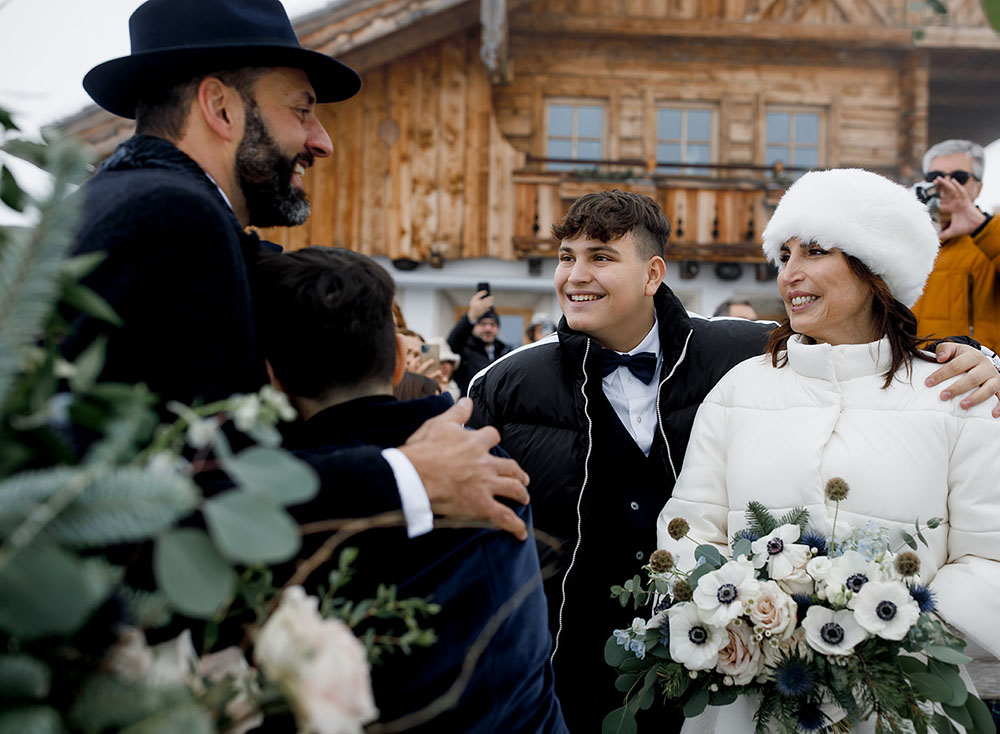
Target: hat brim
116,85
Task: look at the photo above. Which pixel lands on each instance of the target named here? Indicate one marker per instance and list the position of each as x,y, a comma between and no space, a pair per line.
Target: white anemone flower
694,643
848,574
832,632
780,552
886,609
722,595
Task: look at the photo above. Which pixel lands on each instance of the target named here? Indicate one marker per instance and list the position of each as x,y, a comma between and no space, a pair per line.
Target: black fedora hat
174,40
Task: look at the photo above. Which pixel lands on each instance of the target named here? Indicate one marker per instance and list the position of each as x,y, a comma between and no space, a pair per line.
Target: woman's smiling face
824,299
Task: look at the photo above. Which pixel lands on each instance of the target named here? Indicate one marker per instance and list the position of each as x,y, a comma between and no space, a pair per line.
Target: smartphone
484,286
432,352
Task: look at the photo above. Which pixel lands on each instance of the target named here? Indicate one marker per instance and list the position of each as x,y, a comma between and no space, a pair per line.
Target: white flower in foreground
694,643
319,664
848,575
779,551
741,657
832,632
201,432
230,666
246,412
886,609
721,595
773,610
173,663
819,569
797,582
279,401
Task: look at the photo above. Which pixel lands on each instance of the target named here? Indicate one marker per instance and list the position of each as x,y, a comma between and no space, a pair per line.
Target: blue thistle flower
924,597
814,540
745,534
662,606
810,716
793,679
802,604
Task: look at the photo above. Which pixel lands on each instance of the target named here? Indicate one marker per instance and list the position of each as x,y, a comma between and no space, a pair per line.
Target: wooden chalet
480,120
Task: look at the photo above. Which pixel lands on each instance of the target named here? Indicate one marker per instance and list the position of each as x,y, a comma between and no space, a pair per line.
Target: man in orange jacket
962,295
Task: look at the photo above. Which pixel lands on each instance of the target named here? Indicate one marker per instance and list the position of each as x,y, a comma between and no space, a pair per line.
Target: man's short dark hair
723,308
607,216
324,319
163,109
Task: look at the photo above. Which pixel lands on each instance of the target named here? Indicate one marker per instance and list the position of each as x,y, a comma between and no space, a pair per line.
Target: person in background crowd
474,339
316,303
413,386
963,292
736,308
224,100
540,327
449,363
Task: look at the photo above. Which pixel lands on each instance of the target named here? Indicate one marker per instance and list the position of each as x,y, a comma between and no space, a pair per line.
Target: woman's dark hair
890,317
414,386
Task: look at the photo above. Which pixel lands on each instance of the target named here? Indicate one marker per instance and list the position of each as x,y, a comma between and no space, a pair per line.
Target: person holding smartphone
474,337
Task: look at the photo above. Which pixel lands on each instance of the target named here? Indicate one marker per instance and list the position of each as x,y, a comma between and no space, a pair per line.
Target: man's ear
273,378
656,271
397,373
221,107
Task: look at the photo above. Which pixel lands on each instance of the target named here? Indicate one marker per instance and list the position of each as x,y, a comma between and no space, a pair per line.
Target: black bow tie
642,365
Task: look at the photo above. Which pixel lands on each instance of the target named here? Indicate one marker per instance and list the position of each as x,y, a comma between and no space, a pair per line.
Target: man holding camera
474,337
962,295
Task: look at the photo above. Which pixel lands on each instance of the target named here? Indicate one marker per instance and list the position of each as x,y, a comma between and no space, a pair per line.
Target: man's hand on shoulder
461,476
979,373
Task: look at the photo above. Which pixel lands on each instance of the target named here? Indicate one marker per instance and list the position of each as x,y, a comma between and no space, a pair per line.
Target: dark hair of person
414,386
891,319
607,216
162,110
324,319
723,308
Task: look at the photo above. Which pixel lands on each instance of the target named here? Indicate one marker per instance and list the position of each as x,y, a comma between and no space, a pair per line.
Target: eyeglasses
959,177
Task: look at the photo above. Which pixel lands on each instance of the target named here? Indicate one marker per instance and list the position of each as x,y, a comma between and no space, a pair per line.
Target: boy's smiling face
605,289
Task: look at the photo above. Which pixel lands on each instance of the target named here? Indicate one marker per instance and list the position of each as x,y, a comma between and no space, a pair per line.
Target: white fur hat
862,214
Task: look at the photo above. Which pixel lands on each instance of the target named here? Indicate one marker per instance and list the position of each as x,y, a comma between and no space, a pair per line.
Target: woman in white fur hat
841,393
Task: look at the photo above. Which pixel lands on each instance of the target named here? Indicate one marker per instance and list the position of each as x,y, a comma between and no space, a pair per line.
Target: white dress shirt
634,401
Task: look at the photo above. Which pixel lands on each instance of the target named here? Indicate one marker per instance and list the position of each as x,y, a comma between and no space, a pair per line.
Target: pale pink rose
741,657
230,666
773,610
319,664
798,581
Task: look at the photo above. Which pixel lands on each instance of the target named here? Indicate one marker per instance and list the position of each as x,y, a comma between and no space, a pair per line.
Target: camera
925,192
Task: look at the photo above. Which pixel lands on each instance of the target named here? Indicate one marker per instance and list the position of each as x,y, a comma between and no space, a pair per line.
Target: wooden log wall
420,164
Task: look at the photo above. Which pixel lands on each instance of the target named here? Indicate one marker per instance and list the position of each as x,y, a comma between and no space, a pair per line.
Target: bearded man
224,99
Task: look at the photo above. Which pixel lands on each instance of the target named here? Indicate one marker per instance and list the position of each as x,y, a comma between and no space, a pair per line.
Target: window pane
807,128
777,153
806,157
668,153
588,150
590,122
560,120
699,125
699,154
668,124
559,149
777,127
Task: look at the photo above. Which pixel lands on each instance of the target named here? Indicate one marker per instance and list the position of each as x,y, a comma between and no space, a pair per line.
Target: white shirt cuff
412,494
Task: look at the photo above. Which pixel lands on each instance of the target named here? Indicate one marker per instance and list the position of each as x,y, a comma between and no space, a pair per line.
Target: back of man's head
324,319
947,147
607,216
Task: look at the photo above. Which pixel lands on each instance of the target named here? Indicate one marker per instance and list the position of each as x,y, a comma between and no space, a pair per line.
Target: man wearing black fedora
224,99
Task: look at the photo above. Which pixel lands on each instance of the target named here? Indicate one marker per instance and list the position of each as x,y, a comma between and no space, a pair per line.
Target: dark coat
547,401
472,350
471,573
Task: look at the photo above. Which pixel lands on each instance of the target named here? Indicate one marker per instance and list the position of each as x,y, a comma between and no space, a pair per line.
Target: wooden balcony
718,217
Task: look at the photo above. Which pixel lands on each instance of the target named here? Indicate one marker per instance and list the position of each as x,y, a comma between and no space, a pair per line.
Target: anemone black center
885,610
855,582
775,546
832,633
698,635
726,594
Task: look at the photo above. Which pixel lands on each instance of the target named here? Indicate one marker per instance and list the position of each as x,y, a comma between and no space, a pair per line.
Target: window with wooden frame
574,130
685,134
794,136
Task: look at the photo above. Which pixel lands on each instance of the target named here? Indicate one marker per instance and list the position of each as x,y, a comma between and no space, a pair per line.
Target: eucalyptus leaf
908,539
190,571
647,695
743,547
960,715
273,473
695,576
89,302
189,718
697,702
615,654
929,686
249,528
947,654
31,720
625,681
710,554
982,720
22,676
910,664
954,682
619,721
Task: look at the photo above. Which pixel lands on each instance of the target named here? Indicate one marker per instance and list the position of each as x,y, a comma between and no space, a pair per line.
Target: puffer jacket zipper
579,499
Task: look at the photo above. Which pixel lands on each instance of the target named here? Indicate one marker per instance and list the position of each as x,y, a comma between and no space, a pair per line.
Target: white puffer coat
777,436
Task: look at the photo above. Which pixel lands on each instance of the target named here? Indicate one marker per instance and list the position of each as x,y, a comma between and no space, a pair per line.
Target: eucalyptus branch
173,432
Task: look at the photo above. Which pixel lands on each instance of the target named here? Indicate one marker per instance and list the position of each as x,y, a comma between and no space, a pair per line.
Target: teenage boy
325,323
600,414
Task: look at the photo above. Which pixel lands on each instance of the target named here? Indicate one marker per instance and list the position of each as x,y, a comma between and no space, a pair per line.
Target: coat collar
841,362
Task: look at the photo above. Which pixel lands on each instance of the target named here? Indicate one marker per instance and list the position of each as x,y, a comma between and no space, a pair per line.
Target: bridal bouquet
823,632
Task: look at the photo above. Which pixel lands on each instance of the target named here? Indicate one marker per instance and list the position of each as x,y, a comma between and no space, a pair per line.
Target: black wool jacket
547,401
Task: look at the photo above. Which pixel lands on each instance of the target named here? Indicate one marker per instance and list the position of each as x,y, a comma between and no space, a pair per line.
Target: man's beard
265,177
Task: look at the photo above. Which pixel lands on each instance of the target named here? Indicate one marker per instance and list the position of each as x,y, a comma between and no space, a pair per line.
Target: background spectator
474,339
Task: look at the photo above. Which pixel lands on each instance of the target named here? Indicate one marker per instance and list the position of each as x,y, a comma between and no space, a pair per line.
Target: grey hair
947,147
